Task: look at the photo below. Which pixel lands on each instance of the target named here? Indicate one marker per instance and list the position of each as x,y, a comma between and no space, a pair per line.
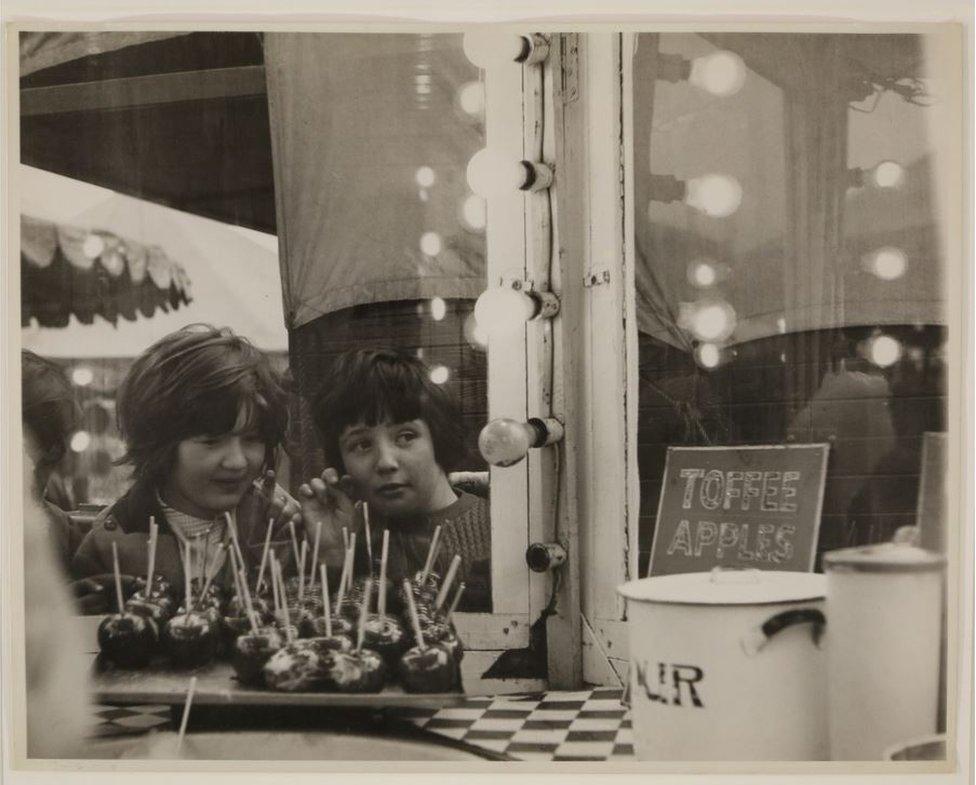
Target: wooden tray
217,686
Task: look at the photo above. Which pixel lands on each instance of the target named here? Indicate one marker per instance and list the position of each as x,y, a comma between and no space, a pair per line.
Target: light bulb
887,263
431,243
80,441
505,442
888,174
702,274
475,334
720,73
471,97
883,350
438,309
425,177
93,246
440,374
708,355
82,376
717,195
502,309
474,213
713,321
491,173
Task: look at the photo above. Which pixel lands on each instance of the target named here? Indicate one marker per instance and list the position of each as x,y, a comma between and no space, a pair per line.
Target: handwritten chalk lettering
742,542
772,490
668,687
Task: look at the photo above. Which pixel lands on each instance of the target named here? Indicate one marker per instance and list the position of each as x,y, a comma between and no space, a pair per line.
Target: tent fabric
60,279
353,119
45,50
795,255
235,282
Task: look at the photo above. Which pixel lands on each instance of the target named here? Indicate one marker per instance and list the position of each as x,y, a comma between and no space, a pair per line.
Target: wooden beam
564,628
138,91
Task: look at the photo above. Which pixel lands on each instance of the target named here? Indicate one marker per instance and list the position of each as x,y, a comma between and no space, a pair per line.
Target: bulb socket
536,176
667,188
547,431
546,305
673,68
545,556
535,49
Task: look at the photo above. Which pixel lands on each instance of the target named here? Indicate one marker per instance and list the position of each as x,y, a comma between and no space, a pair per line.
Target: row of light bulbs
502,309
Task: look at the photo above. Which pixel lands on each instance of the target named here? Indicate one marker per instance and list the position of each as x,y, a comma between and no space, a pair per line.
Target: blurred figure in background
57,682
49,415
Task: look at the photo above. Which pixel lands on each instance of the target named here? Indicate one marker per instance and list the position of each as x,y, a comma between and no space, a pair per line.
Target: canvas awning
66,270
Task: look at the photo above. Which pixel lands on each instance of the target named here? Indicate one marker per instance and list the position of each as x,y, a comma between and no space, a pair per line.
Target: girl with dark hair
390,436
202,413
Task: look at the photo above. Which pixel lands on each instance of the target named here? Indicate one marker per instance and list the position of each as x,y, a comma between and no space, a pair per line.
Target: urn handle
754,641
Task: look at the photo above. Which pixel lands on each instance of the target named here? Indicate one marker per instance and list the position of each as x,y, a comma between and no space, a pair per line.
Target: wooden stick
327,612
274,586
153,537
315,551
196,551
118,577
448,580
282,590
264,555
414,618
249,609
384,555
206,557
289,634
301,570
345,538
430,556
186,578
454,603
232,526
352,559
294,540
186,712
212,571
364,613
369,537
341,593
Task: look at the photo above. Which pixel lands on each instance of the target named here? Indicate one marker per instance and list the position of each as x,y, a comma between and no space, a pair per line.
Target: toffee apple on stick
424,668
127,639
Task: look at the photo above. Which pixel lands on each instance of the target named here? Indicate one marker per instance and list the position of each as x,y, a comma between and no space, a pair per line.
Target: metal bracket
596,279
516,282
570,67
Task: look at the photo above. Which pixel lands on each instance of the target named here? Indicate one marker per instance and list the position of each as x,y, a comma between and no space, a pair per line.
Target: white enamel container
883,641
728,665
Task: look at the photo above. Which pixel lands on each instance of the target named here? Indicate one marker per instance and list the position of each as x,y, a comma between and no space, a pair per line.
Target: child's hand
329,499
269,502
96,593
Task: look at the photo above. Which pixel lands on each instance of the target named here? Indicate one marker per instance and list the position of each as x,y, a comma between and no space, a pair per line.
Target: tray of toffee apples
283,641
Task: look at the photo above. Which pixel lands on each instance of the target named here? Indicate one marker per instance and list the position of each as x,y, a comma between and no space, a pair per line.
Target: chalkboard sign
750,507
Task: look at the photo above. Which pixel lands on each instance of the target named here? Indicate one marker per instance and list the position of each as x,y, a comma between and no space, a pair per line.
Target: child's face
392,466
212,473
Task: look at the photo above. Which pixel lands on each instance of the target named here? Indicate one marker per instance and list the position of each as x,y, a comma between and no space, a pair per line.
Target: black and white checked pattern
591,725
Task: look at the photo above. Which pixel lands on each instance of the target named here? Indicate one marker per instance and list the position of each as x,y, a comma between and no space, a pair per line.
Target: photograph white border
694,15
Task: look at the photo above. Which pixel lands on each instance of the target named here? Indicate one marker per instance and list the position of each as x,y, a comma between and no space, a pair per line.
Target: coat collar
132,511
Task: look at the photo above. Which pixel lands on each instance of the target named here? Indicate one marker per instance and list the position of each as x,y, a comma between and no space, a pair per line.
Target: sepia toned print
492,395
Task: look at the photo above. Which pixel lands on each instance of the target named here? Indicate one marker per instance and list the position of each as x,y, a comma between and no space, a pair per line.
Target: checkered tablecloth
590,725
